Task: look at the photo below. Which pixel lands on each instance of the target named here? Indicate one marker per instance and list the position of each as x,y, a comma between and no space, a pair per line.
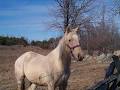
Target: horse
52,70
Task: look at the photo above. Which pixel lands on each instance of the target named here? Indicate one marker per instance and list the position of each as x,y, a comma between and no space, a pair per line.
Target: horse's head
72,41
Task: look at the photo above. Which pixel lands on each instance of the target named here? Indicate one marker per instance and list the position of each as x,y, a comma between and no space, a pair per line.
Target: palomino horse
53,69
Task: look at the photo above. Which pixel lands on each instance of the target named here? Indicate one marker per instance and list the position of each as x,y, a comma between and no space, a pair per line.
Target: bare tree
72,12
117,6
102,35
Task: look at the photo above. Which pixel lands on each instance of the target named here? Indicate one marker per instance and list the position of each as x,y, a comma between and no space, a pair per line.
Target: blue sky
28,18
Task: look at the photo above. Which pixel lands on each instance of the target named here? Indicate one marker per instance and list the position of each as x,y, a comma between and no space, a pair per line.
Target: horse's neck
63,54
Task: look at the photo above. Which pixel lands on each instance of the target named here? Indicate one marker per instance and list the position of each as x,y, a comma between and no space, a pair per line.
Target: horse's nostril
78,55
83,57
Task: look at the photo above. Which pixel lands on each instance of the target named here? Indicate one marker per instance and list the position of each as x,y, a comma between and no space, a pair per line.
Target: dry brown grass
82,77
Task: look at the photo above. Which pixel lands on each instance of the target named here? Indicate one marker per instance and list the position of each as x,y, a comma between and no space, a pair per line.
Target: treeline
103,37
6,40
46,44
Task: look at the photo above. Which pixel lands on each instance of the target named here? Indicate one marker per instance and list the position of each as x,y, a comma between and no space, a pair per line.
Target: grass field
84,74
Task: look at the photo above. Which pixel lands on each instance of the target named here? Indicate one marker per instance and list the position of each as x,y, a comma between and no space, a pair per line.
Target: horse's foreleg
60,87
63,86
32,87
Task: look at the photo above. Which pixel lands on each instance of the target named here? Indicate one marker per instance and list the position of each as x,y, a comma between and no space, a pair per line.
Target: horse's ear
76,29
68,29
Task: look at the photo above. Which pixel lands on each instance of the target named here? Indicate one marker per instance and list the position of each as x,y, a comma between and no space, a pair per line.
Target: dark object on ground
107,84
114,57
110,70
111,81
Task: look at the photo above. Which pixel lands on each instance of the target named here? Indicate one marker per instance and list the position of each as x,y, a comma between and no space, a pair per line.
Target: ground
84,74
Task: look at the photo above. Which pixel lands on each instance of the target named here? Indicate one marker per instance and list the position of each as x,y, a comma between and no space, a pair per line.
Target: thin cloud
23,10
25,16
